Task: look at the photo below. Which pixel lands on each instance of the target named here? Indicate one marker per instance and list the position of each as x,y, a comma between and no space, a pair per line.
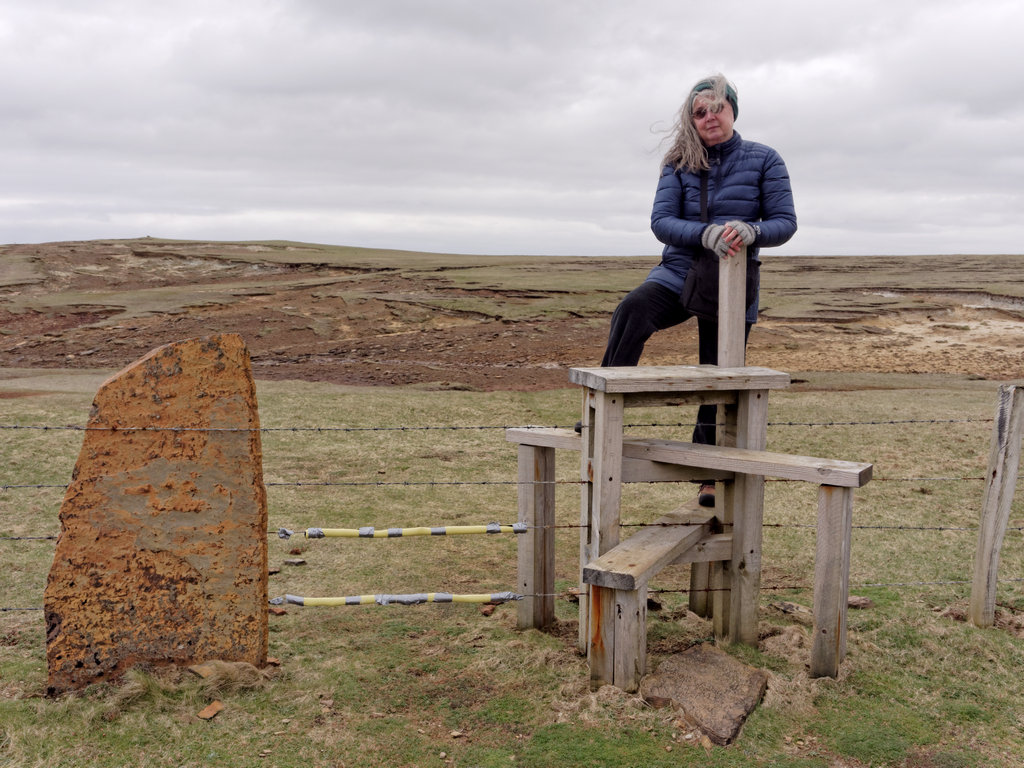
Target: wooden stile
723,545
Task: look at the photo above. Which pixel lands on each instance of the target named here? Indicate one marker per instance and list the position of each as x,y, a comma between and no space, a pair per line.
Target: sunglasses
701,112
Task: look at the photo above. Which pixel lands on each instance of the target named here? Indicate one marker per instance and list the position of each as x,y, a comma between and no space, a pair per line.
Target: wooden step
641,379
632,563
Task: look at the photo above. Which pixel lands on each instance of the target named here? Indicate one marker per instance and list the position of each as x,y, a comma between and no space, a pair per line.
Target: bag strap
704,197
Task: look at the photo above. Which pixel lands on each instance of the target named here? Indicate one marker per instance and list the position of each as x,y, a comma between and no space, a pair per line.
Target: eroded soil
104,305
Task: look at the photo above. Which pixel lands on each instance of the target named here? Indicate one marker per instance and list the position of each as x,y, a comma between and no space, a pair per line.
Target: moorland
385,379
360,316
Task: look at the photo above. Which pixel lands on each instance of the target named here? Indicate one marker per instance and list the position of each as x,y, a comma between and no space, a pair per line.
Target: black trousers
652,307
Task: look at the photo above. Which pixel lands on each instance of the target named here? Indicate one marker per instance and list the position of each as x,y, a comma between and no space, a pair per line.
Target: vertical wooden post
700,583
732,309
1003,466
601,473
617,651
630,638
745,505
536,547
831,579
601,639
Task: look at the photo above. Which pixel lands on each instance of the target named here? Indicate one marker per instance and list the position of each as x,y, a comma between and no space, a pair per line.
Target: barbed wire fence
9,486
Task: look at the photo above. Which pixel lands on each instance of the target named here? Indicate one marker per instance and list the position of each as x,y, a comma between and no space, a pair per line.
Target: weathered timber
649,379
846,474
639,558
536,547
633,470
1001,482
725,459
831,579
732,302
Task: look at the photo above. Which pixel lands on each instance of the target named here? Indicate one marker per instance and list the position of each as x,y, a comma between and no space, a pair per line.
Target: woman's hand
737,234
727,239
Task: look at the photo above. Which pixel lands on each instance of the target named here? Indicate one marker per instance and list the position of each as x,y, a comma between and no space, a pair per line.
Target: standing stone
162,555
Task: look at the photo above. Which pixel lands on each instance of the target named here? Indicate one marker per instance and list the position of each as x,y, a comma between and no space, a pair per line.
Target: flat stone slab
715,691
162,555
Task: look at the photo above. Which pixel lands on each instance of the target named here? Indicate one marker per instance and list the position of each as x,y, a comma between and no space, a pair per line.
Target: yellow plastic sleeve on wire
413,599
333,601
389,533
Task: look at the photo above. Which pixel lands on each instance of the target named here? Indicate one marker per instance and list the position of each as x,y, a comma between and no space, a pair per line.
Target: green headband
730,94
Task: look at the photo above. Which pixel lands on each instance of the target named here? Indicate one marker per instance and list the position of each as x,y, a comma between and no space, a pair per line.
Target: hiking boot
706,495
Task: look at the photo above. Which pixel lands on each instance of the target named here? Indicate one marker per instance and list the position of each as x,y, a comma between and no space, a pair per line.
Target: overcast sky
502,126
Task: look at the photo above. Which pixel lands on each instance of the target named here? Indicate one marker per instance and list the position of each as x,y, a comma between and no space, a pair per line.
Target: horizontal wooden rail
544,437
842,474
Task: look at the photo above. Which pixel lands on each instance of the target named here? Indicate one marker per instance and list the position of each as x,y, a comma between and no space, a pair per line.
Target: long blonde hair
687,151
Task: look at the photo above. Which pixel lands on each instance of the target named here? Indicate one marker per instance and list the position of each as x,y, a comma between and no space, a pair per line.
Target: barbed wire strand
458,427
520,528
682,590
444,483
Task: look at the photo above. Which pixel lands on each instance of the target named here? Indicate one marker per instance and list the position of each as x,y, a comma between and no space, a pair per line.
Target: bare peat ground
310,316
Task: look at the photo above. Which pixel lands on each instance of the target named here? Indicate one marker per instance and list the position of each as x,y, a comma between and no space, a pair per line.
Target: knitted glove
711,239
744,230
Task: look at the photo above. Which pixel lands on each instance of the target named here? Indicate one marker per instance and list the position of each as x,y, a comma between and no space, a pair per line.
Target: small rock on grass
209,712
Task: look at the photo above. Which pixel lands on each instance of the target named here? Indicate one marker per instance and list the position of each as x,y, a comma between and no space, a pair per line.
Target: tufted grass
450,685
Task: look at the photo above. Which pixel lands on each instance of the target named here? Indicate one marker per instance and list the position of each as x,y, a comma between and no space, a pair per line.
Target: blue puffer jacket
747,181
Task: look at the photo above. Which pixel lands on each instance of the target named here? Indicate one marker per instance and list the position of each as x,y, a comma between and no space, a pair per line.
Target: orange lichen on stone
162,556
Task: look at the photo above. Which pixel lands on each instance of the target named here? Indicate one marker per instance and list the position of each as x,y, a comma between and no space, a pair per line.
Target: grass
449,685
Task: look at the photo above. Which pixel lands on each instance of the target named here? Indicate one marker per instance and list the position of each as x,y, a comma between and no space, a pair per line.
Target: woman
747,201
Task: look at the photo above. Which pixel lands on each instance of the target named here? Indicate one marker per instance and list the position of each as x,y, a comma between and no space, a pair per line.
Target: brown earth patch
103,304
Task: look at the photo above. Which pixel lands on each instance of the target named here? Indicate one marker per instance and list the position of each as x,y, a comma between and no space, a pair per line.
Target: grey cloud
498,127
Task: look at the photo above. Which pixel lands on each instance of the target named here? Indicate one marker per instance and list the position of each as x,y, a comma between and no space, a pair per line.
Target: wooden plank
630,637
633,470
600,467
583,640
636,560
700,579
604,471
536,547
645,471
719,584
746,505
732,303
722,459
677,378
601,636
566,439
715,546
846,474
831,579
674,399
1003,468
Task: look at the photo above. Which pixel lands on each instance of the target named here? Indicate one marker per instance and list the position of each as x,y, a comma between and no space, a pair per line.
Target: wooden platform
647,379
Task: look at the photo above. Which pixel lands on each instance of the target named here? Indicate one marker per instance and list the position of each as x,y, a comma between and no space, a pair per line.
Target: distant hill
380,317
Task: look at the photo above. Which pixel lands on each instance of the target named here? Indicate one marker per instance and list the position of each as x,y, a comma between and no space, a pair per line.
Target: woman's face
712,127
